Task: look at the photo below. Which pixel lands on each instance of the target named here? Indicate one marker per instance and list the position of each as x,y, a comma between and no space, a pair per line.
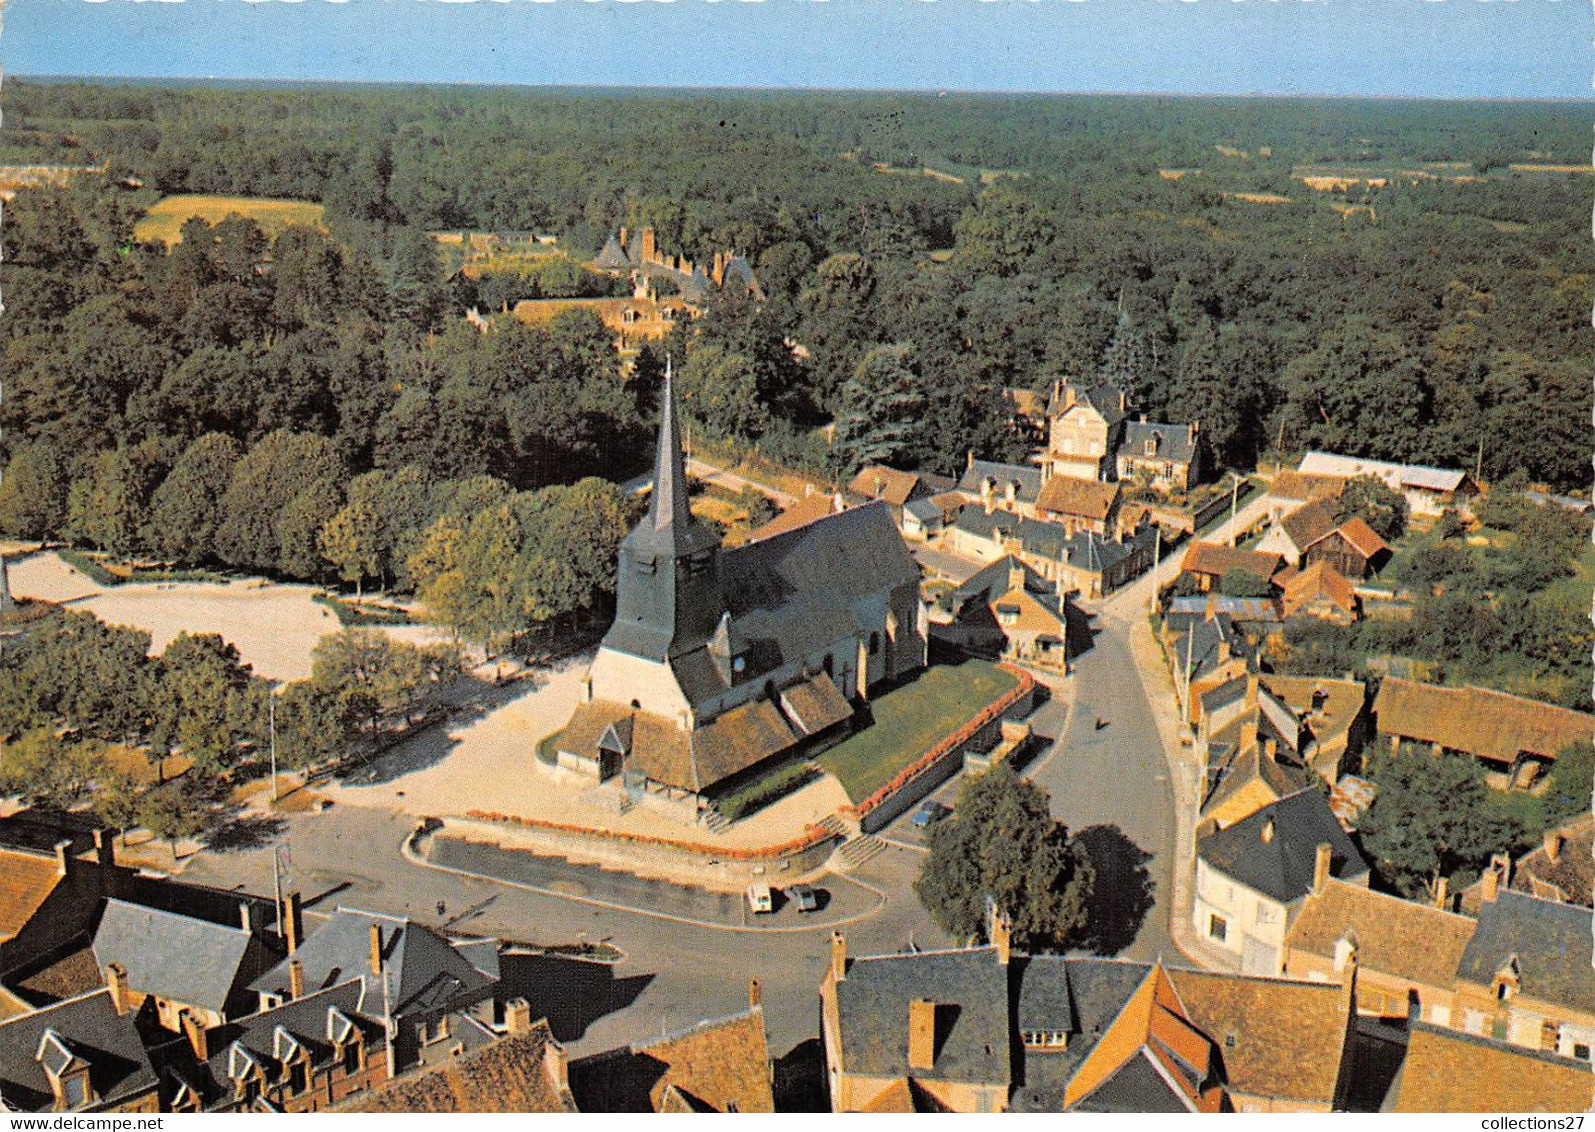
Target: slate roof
1028,479
1086,499
511,1074
873,1002
1276,1037
1104,397
175,957
1451,1071
1198,641
1175,442
1281,867
1396,937
715,1066
1241,766
92,1031
1486,723
925,510
1549,940
613,257
26,881
425,971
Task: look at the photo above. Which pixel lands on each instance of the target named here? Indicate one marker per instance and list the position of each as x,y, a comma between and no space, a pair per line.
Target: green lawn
910,720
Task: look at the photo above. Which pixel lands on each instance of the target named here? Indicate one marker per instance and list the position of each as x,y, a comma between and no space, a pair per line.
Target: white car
760,899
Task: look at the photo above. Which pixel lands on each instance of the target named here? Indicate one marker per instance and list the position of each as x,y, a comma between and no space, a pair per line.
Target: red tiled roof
26,881
1090,499
1486,723
1217,560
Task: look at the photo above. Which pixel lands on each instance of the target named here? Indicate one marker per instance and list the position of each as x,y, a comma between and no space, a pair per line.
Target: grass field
164,222
910,720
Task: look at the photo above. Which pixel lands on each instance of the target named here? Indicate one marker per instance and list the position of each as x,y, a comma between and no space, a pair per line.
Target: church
721,660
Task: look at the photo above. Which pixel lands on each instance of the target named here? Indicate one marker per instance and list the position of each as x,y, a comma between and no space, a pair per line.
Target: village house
1289,490
1428,491
1445,1071
50,898
1405,953
1320,592
1260,615
1082,563
1332,715
720,1065
1008,610
1164,457
1561,867
1001,487
720,659
1299,529
990,1029
1086,428
1249,743
82,1054
1204,651
1253,877
898,490
1314,534
1208,562
1517,739
173,966
1080,505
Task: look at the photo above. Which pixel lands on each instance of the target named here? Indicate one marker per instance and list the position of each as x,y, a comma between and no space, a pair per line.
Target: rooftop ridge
688,1030
34,1013
1430,908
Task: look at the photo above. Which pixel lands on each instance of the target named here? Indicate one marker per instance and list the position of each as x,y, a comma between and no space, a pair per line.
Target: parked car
803,897
929,814
760,898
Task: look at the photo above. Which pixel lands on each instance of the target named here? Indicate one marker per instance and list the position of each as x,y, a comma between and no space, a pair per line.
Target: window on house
75,1090
1581,1051
351,1058
299,1077
1266,914
1218,927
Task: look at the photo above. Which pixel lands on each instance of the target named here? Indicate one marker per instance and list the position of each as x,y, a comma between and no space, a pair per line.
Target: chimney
1223,648
63,856
246,916
296,978
1499,873
293,925
1553,845
1001,931
921,1034
1248,733
116,983
518,1016
1016,575
1321,861
1270,747
195,1033
376,949
838,956
755,994
623,240
1442,893
648,251
969,460
1268,832
558,1065
105,848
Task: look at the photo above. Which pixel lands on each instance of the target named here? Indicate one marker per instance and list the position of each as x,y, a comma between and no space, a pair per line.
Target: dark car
929,814
803,898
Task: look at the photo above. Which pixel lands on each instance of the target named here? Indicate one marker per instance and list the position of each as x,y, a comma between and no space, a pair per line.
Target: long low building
1428,491
1516,738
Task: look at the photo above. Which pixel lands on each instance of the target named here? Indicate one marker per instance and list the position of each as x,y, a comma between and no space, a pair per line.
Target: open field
908,721
164,221
274,626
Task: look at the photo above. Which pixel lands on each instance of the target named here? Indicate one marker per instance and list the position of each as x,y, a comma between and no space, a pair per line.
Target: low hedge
348,613
92,568
765,790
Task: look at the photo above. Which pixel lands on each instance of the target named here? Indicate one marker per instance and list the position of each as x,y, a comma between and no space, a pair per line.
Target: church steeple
667,596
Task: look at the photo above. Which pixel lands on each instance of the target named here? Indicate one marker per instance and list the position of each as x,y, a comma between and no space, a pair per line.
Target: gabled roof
800,514
1027,481
1175,443
1450,1071
90,1031
1104,397
716,1066
971,986
1395,937
1088,499
1274,851
510,1074
1319,581
1486,723
425,971
175,957
1276,1038
1550,942
1290,484
877,481
1572,871
1360,537
1216,559
1309,523
1396,475
26,881
613,256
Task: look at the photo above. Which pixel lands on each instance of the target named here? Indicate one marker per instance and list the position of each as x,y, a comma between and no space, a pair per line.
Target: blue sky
1440,48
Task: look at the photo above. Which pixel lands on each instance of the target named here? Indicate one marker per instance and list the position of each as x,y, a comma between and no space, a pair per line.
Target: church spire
668,509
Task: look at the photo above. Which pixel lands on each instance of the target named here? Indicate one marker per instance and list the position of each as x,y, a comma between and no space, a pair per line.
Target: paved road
711,473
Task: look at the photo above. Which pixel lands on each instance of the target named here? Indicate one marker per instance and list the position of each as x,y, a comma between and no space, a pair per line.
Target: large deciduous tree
1002,844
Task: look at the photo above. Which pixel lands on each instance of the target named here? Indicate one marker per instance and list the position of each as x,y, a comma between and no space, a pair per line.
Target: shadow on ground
246,831
1124,891
573,993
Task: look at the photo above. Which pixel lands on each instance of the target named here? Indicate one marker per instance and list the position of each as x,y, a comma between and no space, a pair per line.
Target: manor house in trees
721,659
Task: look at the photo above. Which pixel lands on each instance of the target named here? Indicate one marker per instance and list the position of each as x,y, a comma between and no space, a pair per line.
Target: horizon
1461,50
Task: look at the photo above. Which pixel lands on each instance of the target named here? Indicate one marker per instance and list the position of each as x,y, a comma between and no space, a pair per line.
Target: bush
348,613
91,567
765,790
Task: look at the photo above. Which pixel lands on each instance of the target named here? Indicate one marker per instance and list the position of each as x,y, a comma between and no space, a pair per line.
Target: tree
173,812
266,524
351,540
186,509
1433,817
1376,503
42,767
880,408
200,701
1002,844
116,800
1571,789
1241,582
718,390
33,491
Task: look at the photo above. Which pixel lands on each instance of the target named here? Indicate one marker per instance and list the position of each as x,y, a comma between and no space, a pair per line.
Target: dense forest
923,253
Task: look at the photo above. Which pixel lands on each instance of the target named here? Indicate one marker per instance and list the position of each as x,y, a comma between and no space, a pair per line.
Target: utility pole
1234,495
271,724
1157,560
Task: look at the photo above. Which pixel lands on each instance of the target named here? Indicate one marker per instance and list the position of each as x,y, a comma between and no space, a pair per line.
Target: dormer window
645,565
1151,446
1045,1039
